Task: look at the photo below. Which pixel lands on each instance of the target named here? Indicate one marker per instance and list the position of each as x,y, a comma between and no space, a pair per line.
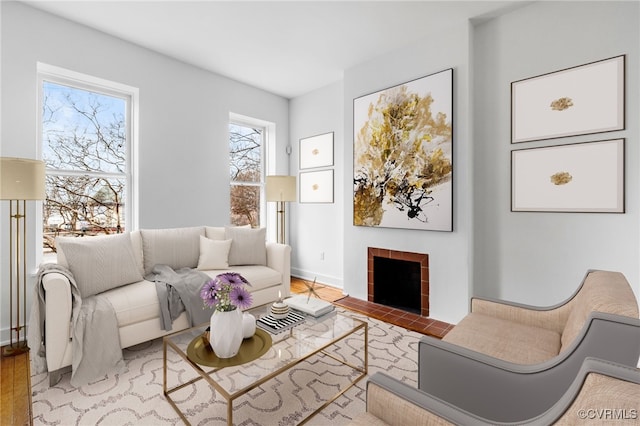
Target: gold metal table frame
306,335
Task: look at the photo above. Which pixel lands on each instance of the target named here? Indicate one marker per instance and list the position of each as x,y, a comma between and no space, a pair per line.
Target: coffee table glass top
287,348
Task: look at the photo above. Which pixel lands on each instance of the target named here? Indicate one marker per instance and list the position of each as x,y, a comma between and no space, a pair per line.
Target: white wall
540,258
184,111
535,258
316,234
449,262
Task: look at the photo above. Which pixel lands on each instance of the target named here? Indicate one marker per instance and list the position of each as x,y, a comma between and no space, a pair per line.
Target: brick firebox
421,258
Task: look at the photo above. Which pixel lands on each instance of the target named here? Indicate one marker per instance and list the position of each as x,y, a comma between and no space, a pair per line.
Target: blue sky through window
83,130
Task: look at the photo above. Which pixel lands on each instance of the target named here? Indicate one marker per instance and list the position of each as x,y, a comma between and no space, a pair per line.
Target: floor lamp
281,189
20,180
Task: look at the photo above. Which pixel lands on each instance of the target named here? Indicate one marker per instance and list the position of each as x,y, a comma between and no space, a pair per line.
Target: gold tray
200,352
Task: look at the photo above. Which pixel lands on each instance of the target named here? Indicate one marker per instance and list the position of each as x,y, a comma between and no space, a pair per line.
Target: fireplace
398,279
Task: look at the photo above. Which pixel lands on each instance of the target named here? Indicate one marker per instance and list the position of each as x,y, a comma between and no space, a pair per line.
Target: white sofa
265,265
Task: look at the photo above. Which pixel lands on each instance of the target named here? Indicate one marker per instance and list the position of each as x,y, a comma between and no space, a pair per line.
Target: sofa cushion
214,232
176,247
217,232
602,291
99,263
136,242
503,339
134,303
138,302
258,276
248,246
214,254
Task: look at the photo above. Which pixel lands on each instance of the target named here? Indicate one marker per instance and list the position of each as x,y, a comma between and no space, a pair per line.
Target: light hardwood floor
328,293
15,385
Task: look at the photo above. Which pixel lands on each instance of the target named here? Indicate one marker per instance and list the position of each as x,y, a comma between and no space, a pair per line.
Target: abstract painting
403,160
582,177
576,101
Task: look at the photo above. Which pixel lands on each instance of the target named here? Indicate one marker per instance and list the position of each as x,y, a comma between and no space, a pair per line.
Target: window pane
82,205
83,130
245,205
84,146
245,149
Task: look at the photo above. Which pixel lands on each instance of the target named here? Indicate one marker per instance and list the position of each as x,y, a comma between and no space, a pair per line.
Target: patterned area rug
135,396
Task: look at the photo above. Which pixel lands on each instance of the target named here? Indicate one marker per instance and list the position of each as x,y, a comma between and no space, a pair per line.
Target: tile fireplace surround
421,258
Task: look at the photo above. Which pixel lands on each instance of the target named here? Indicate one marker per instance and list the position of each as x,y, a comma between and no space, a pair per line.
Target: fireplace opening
396,283
398,279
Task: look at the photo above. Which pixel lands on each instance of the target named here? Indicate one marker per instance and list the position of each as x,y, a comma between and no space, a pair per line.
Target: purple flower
209,292
226,292
232,278
240,297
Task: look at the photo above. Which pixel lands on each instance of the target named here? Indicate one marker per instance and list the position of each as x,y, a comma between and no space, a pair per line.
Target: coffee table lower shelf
230,397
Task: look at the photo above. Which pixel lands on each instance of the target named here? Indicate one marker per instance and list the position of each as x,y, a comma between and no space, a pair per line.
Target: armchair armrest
279,259
57,327
461,376
553,318
396,403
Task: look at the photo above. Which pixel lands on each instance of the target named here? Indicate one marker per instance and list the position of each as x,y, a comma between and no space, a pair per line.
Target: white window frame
57,75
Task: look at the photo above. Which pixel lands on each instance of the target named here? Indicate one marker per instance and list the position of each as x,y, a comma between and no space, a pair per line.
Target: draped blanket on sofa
94,325
179,290
94,331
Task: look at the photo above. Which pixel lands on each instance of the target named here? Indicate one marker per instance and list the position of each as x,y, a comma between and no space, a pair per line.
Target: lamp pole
20,180
17,270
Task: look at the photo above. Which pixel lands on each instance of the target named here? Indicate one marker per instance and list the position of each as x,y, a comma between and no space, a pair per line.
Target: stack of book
275,326
310,306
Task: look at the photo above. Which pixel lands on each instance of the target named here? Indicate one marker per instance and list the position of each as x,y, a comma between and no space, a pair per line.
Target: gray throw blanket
95,338
178,291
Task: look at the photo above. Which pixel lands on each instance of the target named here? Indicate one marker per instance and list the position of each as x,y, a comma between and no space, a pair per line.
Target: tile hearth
408,320
394,316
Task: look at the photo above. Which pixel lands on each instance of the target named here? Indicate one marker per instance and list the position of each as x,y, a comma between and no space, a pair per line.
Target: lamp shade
21,179
281,188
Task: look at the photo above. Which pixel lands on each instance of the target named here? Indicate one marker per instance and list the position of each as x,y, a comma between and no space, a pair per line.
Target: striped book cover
275,326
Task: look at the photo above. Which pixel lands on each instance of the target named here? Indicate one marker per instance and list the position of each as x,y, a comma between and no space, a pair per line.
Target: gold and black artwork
403,155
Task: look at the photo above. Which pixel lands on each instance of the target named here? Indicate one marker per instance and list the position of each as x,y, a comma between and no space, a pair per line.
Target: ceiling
285,47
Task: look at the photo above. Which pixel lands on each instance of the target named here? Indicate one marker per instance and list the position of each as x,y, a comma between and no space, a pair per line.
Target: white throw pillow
100,263
174,247
248,246
214,254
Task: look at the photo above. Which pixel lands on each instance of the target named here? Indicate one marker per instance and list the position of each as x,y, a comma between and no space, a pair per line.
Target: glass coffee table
267,355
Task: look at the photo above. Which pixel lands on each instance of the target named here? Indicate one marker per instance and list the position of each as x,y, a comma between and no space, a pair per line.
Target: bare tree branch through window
84,145
245,152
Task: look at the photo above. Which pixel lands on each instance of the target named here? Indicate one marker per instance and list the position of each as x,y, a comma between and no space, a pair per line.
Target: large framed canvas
316,186
316,151
402,155
582,177
575,101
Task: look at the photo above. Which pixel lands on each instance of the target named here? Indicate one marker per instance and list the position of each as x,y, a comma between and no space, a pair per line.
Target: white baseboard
334,282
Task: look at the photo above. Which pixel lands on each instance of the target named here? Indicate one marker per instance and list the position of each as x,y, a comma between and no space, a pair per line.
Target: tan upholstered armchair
510,362
600,391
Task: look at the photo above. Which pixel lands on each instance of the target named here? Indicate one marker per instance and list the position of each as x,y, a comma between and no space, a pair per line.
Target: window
246,148
86,132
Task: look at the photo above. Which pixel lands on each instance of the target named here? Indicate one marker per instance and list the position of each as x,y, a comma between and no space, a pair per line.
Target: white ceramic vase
226,333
